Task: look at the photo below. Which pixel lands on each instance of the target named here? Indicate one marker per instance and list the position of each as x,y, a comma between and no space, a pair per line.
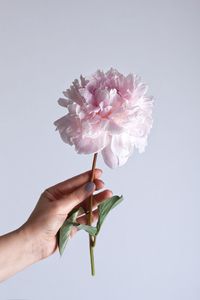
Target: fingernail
99,172
90,186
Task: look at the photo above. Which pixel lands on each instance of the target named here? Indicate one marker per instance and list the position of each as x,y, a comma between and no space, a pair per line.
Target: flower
107,112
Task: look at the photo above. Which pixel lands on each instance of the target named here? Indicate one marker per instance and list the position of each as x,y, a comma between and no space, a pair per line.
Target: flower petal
109,157
69,128
118,151
114,128
64,102
88,145
84,92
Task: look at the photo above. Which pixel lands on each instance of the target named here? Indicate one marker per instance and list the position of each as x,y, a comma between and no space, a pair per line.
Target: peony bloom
107,112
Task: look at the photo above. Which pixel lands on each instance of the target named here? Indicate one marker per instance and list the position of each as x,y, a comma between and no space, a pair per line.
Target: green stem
92,258
91,241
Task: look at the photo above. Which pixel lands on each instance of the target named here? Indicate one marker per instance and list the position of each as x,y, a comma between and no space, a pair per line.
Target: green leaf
90,229
65,230
105,207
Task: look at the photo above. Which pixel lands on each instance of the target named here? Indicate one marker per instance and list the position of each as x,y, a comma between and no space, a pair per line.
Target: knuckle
48,194
52,195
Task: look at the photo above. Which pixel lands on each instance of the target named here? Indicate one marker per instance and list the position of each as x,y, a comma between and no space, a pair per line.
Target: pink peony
107,112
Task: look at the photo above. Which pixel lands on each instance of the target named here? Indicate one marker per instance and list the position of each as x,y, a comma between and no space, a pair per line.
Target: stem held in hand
92,239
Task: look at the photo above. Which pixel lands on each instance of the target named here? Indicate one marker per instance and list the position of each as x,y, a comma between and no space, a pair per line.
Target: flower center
104,115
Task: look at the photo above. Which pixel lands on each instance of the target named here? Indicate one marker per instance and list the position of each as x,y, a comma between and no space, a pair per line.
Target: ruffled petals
107,112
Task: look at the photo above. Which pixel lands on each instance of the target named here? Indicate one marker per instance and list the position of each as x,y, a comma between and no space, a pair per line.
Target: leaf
65,230
105,207
90,229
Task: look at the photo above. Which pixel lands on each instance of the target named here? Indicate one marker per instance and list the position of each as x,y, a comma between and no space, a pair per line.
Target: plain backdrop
149,246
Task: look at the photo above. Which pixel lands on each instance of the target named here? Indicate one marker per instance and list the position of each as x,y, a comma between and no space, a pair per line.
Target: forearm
36,239
17,251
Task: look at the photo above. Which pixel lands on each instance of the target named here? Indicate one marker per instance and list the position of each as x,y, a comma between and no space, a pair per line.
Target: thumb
69,201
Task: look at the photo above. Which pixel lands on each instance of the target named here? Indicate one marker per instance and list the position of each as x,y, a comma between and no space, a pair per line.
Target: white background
149,247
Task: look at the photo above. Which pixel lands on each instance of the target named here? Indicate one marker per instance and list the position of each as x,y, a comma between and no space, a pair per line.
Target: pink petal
109,157
101,96
84,92
118,150
73,94
114,128
88,145
83,81
69,128
129,80
64,102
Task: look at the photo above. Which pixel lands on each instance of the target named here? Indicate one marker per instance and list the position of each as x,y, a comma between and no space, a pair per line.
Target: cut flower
108,113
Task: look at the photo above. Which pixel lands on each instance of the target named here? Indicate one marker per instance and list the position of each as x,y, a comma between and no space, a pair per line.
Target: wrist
18,251
38,245
30,243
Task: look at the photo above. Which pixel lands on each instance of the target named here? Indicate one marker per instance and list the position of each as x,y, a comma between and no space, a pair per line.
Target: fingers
83,219
95,214
99,184
71,200
98,198
73,183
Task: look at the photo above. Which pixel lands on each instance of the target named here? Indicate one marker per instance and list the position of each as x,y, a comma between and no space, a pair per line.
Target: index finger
67,186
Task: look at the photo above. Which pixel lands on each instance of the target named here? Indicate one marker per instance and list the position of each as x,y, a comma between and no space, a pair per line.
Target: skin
36,238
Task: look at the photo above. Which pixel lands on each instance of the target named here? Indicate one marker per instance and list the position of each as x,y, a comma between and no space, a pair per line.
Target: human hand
54,205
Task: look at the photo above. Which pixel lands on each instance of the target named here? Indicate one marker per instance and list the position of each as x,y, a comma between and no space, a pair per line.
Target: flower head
107,112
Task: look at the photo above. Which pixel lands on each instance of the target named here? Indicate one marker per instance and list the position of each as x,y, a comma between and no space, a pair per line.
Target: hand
54,205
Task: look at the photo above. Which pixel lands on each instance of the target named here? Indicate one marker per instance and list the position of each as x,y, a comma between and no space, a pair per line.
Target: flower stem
92,239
